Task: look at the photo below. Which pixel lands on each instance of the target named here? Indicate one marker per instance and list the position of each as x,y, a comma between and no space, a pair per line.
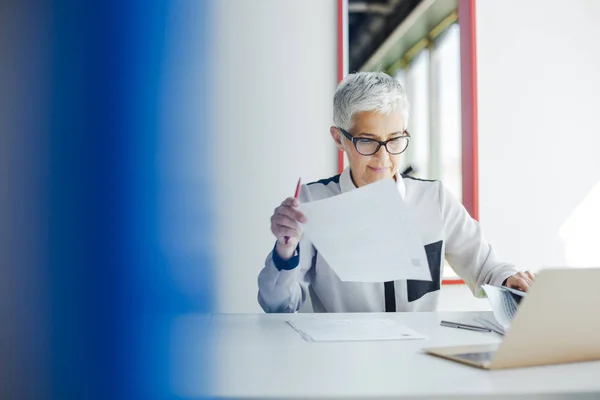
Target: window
446,66
417,90
432,81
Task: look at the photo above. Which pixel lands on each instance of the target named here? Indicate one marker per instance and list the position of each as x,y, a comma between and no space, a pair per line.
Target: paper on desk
343,330
496,299
367,235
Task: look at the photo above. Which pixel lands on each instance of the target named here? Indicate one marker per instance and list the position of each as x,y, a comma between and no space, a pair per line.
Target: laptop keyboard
481,357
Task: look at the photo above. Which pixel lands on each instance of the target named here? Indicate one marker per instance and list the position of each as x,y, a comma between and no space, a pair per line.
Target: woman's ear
337,137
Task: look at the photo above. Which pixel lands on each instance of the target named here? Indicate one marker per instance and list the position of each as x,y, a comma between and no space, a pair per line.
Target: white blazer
447,230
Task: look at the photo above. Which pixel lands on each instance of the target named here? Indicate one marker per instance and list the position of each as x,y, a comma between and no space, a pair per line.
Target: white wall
538,67
275,75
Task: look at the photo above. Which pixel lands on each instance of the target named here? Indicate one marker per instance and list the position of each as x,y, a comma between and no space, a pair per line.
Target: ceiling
370,22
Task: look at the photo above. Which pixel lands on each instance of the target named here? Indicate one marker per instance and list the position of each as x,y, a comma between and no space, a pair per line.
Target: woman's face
371,125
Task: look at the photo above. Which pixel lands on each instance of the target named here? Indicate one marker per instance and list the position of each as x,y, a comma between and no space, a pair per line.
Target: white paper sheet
366,235
501,301
343,330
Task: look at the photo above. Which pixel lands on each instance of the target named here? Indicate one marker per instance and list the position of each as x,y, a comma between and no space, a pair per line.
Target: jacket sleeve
283,285
467,250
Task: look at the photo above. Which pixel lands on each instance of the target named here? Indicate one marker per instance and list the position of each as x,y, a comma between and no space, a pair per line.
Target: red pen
296,196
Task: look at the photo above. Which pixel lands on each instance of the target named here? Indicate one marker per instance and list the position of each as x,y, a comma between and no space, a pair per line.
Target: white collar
347,185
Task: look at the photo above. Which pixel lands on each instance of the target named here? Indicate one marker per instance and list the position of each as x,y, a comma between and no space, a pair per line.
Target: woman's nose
381,153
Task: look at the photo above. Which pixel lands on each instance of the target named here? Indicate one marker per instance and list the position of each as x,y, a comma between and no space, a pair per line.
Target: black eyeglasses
368,147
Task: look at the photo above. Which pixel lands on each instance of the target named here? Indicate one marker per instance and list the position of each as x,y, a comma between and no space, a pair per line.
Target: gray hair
368,91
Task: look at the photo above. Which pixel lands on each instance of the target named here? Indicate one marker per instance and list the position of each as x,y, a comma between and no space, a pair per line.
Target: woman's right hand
285,222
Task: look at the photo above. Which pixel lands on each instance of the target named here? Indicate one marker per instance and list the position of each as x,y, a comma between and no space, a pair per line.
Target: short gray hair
368,91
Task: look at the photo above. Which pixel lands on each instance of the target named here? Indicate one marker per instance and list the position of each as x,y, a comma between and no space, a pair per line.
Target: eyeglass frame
353,139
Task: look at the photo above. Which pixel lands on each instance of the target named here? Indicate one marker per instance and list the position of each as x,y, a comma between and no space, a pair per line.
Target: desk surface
260,356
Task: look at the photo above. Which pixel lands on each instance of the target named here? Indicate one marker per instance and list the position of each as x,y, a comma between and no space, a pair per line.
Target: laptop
557,322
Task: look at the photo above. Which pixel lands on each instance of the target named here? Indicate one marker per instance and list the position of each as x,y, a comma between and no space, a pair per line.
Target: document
367,235
505,303
344,330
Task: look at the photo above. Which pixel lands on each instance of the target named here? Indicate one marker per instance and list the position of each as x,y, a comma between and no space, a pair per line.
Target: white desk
260,356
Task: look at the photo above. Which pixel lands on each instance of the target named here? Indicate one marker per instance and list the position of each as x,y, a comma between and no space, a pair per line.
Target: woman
370,116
